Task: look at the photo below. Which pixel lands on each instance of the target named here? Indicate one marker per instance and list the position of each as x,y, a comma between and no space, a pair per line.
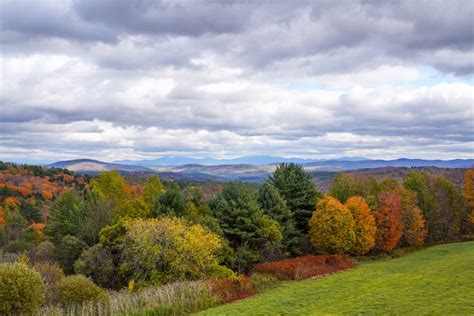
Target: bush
77,289
229,290
21,289
261,281
97,263
221,272
305,267
44,251
51,274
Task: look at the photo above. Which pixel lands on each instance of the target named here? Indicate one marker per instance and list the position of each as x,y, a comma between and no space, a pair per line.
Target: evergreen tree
296,187
171,202
273,205
65,217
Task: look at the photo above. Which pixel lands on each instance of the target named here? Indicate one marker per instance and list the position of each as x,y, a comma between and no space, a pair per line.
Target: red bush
306,267
230,290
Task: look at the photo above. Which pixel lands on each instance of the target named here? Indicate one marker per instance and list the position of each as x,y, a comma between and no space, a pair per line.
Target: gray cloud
309,78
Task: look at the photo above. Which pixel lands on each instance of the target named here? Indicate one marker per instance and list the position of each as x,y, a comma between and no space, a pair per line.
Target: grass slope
437,280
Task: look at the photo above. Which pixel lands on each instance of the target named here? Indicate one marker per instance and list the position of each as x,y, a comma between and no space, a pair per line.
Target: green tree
97,215
65,217
110,185
296,187
273,205
152,190
239,213
171,202
67,252
98,264
131,208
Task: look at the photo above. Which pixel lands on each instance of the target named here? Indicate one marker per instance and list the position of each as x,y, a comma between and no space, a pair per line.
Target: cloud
139,79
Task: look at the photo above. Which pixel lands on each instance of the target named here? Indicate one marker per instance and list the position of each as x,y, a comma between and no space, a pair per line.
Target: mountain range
235,169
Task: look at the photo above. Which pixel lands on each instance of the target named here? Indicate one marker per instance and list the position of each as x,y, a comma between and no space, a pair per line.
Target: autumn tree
364,225
110,185
412,217
389,221
468,193
131,208
273,205
331,227
345,185
168,249
297,188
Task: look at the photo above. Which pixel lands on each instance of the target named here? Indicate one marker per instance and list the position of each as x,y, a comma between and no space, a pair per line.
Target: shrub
77,289
229,290
261,281
97,263
51,274
44,251
21,289
221,272
306,266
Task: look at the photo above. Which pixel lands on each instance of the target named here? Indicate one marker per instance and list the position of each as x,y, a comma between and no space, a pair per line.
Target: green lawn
437,280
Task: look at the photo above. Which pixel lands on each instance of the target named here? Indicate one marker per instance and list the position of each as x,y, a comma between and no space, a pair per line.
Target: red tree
389,221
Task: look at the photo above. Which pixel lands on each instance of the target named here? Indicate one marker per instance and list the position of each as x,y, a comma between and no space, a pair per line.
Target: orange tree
364,225
389,221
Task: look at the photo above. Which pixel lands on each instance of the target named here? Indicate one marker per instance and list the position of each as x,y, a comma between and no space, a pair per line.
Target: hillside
436,280
94,166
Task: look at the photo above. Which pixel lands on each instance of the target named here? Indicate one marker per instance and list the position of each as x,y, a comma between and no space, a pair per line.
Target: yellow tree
364,225
331,227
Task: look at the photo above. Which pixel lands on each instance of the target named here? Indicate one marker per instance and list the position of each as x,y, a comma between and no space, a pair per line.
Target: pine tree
274,205
65,217
296,187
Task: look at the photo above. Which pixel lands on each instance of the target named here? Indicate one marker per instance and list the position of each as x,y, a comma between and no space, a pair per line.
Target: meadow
436,280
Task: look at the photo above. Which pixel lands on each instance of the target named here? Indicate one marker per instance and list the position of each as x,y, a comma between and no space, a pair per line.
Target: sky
139,79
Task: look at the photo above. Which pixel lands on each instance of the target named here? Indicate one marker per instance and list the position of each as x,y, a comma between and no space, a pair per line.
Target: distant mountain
256,172
335,165
247,160
93,166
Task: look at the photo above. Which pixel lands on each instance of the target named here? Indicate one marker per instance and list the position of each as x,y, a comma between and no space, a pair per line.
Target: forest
114,244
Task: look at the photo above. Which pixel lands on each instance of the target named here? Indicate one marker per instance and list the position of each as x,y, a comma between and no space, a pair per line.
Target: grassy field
436,280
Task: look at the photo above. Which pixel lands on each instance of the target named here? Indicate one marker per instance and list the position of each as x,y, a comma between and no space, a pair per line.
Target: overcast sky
143,79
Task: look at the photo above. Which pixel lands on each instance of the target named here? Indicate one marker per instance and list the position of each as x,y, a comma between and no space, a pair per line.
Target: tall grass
171,299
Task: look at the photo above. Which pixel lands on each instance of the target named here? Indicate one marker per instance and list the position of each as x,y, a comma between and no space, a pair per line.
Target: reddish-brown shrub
306,267
233,289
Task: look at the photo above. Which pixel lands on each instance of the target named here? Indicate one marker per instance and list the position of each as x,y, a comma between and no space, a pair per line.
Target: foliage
346,185
468,193
331,228
97,263
262,281
230,290
221,272
168,249
364,225
65,217
44,252
77,289
240,218
152,190
131,208
21,289
413,223
434,281
97,215
389,221
296,187
67,251
171,202
51,274
110,185
305,267
273,205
